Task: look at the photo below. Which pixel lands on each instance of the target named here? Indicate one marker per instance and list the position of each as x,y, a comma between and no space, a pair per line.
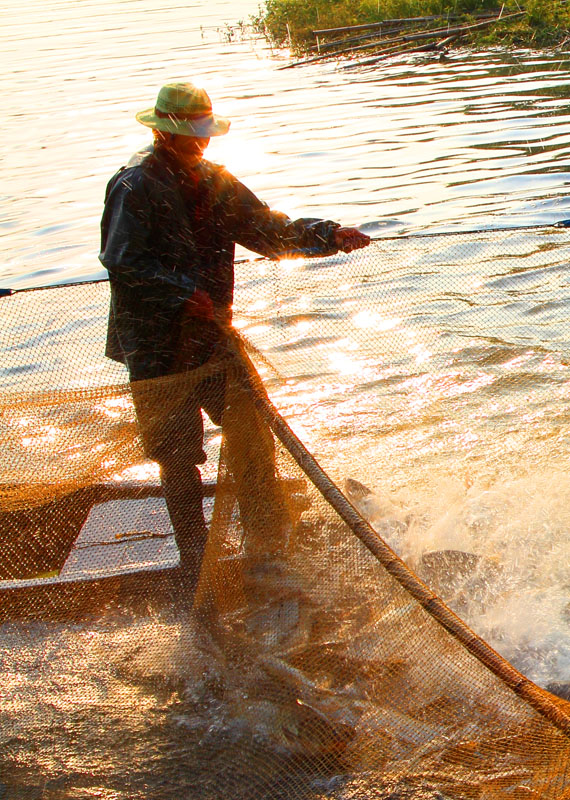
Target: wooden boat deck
124,554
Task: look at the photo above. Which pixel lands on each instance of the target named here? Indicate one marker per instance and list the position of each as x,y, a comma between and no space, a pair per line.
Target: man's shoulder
125,181
141,155
141,173
218,177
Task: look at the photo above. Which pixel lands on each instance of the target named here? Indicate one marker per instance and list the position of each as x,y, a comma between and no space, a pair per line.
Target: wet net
324,652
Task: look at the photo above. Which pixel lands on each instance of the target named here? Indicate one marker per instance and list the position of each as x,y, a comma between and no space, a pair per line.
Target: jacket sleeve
126,239
274,234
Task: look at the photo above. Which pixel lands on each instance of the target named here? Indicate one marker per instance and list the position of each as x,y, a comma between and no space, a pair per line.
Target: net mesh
318,657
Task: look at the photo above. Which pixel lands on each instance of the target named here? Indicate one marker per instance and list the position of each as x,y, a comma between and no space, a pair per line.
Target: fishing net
322,655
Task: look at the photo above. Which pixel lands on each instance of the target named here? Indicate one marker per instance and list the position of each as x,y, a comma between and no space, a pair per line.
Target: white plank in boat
122,536
119,537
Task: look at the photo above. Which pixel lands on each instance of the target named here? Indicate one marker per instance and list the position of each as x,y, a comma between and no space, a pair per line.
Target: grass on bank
546,23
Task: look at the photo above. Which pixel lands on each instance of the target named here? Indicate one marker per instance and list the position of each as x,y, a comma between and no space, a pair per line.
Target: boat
117,549
103,547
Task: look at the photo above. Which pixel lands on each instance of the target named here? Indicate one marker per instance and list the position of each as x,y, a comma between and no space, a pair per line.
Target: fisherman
168,234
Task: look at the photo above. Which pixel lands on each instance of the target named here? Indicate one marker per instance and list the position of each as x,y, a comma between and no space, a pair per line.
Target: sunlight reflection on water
410,144
435,373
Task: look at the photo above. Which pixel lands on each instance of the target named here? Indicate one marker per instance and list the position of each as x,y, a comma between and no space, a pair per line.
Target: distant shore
311,26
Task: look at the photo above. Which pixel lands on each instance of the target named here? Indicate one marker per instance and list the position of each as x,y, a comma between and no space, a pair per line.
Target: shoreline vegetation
320,29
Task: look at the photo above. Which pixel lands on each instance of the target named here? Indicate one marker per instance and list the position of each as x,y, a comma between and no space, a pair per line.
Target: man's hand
349,239
199,304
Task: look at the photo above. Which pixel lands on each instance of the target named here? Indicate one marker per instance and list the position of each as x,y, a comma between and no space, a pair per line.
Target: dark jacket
166,232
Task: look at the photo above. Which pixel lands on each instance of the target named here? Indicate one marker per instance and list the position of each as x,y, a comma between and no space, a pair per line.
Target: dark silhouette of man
168,234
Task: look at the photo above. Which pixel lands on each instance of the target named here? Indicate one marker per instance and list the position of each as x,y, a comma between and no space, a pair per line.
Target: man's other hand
349,239
199,304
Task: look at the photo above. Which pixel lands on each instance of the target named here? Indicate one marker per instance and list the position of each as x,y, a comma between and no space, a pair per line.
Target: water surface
434,370
408,144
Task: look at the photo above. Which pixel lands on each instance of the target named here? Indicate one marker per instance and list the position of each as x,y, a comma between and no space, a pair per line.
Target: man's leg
250,452
173,438
182,488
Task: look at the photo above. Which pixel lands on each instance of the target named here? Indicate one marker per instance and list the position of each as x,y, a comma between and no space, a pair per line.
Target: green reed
546,23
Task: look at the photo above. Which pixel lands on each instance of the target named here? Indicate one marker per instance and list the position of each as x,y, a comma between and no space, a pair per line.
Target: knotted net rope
316,661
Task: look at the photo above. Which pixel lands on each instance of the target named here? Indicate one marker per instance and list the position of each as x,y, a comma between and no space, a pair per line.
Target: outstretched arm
274,234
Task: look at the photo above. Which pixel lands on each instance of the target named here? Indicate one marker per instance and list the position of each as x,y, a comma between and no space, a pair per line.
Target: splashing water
497,554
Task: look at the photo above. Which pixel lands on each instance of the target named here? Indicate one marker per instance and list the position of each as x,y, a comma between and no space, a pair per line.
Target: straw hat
184,109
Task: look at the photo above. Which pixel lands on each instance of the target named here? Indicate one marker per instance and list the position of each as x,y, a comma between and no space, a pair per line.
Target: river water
465,426
407,145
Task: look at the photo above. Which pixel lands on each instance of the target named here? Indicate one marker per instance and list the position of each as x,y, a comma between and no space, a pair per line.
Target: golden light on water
344,363
304,326
550,364
478,382
46,435
289,265
133,142
259,305
254,329
467,439
426,389
373,321
301,430
145,471
518,361
240,155
421,353
114,407
531,417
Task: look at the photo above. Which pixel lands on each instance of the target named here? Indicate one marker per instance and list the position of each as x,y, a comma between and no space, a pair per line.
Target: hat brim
203,127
